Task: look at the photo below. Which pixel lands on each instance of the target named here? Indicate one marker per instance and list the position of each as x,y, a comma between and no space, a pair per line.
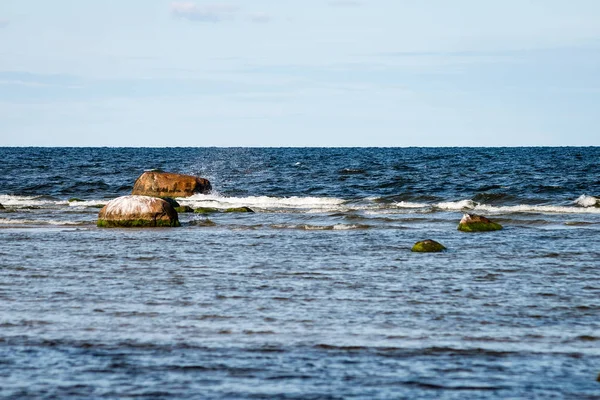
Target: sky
300,73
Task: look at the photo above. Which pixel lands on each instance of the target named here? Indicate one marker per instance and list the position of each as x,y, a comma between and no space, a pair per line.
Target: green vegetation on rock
239,210
96,205
206,210
202,222
75,199
137,223
428,246
479,227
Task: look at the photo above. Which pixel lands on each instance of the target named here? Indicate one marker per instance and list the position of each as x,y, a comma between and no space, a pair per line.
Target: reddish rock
166,184
137,212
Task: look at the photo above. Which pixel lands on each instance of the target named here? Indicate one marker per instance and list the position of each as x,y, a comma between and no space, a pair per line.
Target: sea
315,295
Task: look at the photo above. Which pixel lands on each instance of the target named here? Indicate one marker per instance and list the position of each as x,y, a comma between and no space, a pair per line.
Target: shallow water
316,295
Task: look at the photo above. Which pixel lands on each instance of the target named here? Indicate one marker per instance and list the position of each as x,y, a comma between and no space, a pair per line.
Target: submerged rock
428,246
137,211
75,199
202,222
166,184
206,210
477,223
239,210
1,206
184,209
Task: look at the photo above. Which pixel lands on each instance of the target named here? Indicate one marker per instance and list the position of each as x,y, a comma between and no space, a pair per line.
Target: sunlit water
316,295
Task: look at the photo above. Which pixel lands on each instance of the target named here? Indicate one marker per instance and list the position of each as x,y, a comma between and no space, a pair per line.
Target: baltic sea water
316,295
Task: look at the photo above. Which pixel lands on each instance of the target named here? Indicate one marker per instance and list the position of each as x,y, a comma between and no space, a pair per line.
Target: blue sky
299,73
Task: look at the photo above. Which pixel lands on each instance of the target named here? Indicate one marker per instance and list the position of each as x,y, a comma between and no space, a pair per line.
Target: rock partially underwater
166,184
477,223
428,246
137,212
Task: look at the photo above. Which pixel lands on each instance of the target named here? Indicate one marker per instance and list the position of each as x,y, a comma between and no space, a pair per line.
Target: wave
587,201
9,221
28,201
264,202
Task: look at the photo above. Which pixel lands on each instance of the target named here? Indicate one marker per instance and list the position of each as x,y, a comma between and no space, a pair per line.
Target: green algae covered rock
477,223
75,199
202,222
206,210
96,206
428,246
184,209
137,212
239,210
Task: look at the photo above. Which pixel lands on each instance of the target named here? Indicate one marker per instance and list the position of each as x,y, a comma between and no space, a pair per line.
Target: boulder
166,184
137,211
428,246
239,210
477,223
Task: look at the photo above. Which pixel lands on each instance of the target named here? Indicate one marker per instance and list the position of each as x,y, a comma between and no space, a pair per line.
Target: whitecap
264,202
587,201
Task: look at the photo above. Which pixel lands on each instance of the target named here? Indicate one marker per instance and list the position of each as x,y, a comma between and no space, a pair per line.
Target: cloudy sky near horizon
299,73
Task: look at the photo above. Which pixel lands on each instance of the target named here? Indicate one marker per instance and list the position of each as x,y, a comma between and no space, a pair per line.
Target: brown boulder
166,184
477,223
137,212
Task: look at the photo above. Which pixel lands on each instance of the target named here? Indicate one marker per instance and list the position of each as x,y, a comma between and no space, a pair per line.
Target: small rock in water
206,210
1,206
75,199
184,209
428,246
239,210
477,223
137,212
202,222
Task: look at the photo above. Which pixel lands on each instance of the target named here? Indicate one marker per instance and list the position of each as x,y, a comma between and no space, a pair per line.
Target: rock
184,209
75,199
166,184
239,210
428,246
202,222
171,201
1,207
206,210
477,223
96,206
137,211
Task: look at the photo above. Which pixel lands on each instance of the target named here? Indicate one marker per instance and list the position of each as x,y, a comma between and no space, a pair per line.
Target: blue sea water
316,295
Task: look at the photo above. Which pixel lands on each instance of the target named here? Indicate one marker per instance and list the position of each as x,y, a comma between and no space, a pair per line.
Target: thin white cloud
260,17
206,13
344,3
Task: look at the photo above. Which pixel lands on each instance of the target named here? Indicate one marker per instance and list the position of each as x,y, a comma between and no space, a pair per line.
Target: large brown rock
137,212
166,184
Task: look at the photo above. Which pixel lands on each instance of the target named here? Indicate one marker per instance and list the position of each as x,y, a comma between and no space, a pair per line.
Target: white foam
408,204
457,205
587,201
26,201
8,221
264,202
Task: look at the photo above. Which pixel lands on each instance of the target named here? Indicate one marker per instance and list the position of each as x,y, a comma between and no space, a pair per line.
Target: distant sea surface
316,295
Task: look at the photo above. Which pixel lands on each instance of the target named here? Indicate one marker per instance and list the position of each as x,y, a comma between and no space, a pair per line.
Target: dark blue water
314,296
